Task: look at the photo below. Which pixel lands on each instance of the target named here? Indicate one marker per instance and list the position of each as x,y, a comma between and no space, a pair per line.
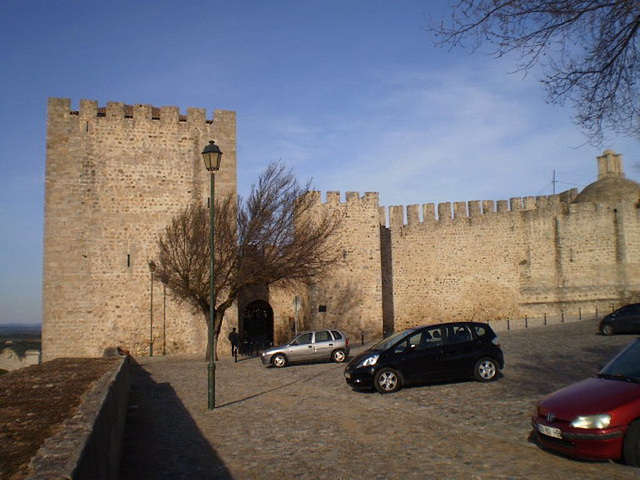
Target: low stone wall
89,445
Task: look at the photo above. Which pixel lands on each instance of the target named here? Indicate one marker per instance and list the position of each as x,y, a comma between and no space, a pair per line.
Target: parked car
597,418
445,351
624,320
309,346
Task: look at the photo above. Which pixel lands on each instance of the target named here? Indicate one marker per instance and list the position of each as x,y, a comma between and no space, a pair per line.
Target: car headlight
592,421
369,361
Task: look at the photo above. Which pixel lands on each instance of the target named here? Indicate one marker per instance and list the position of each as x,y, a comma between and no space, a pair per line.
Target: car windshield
389,342
625,366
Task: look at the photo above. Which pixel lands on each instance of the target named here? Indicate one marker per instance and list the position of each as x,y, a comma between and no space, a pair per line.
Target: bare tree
276,235
587,51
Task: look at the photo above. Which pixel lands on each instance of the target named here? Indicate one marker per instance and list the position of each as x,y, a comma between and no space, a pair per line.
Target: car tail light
346,342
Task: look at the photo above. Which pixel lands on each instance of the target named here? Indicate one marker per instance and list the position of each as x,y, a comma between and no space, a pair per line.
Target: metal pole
212,365
164,318
151,319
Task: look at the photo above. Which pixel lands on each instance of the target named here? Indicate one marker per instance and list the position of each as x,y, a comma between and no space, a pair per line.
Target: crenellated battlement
370,199
118,111
354,203
430,213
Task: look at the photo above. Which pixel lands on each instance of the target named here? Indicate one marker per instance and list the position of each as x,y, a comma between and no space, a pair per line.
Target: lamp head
212,156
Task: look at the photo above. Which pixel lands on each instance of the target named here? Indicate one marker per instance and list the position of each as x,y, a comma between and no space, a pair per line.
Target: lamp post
152,269
212,156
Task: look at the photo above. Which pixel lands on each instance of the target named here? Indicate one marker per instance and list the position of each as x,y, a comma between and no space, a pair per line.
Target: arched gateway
257,324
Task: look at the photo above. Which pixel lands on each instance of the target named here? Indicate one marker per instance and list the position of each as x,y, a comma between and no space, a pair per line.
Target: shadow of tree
162,441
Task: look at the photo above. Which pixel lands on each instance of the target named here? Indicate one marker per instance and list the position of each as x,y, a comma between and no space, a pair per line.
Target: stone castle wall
349,297
589,256
487,261
454,268
115,176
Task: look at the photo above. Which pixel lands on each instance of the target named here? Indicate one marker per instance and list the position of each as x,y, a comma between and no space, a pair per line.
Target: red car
597,418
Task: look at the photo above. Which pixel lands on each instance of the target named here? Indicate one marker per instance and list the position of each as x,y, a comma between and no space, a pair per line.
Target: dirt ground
36,400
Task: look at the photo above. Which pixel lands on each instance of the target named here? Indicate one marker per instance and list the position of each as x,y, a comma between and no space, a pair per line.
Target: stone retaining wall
88,447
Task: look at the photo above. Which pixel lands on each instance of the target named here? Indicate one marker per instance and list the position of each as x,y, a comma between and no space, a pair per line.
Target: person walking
234,339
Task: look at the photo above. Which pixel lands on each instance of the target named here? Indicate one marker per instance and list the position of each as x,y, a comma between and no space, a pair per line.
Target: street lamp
212,156
152,269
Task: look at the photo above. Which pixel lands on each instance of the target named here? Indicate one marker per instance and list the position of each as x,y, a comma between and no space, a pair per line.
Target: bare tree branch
275,236
587,50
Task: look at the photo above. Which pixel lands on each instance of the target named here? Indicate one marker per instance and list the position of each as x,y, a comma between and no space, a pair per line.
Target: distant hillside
10,329
20,337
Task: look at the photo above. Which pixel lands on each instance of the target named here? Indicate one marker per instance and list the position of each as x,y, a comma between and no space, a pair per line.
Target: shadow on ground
162,441
546,373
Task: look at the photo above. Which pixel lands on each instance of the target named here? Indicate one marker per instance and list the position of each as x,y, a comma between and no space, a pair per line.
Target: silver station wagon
317,345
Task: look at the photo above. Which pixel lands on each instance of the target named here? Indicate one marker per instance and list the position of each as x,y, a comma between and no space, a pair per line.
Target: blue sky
350,93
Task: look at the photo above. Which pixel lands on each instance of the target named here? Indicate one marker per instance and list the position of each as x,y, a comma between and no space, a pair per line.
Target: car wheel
338,356
387,380
279,360
631,446
607,329
485,370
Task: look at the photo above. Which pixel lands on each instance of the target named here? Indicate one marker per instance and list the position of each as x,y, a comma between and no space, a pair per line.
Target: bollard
526,322
561,316
580,313
508,324
545,318
362,337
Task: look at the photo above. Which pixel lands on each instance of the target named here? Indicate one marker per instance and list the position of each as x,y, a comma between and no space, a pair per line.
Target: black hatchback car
624,320
446,351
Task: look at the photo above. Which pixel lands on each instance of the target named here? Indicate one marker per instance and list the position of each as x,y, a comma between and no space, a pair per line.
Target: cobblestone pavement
304,422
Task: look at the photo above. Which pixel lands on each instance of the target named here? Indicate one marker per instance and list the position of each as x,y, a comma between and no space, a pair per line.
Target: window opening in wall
322,308
128,260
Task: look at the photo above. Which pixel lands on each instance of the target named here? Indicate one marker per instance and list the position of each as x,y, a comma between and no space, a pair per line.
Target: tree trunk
219,317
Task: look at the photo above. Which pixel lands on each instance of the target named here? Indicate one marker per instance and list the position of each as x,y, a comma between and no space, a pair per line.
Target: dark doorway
257,326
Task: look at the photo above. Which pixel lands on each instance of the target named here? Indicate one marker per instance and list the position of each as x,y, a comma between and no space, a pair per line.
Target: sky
352,94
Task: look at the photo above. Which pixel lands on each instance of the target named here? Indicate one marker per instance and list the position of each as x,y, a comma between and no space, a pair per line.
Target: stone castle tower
115,176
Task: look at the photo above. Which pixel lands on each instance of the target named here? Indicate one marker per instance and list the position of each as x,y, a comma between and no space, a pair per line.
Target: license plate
550,431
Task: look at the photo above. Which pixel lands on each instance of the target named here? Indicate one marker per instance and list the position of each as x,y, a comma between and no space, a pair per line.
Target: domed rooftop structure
611,186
